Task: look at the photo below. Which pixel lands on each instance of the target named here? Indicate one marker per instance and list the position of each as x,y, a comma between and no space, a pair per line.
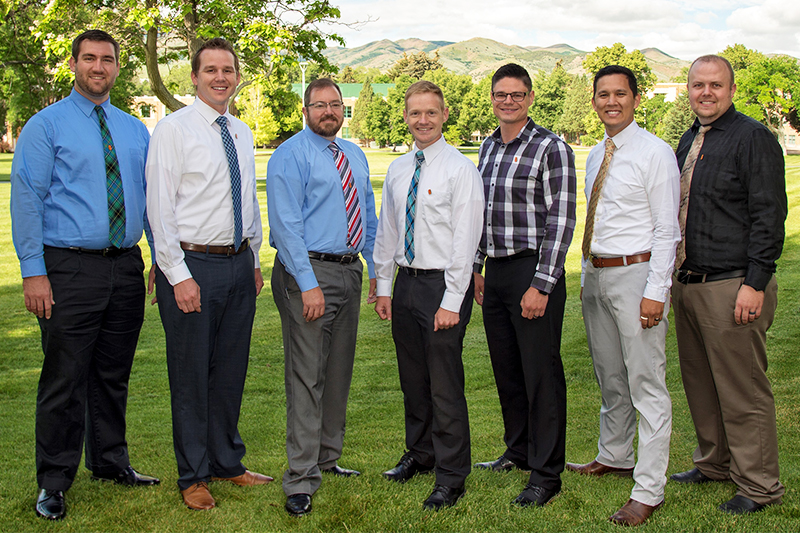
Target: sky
681,28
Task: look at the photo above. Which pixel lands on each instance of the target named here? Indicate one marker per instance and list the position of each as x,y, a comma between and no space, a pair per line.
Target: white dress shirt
447,225
638,207
189,186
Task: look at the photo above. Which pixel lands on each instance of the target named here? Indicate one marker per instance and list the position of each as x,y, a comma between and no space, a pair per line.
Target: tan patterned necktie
686,185
588,230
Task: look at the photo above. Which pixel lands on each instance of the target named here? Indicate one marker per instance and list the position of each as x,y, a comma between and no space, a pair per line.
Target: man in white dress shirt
206,223
429,228
632,191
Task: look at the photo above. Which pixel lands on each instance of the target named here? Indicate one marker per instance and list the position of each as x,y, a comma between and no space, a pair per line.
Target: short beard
327,130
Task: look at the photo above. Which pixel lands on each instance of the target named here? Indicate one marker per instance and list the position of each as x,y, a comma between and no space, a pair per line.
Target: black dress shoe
694,476
743,505
442,497
534,495
502,464
51,504
298,504
407,468
337,470
130,477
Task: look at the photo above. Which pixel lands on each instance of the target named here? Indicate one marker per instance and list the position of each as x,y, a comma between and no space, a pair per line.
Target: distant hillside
479,57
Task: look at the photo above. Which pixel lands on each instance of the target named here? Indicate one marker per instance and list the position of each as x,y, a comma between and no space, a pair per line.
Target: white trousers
630,366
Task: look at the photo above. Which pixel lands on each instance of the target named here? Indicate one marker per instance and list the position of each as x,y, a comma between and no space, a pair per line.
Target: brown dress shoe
634,513
599,469
197,497
248,479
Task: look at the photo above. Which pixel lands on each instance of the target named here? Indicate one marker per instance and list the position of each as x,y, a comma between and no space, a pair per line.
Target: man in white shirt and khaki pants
429,228
632,194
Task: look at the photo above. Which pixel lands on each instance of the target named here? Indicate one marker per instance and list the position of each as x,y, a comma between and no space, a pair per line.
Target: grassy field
374,440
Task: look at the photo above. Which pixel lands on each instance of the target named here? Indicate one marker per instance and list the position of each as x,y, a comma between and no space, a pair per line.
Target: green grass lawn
374,440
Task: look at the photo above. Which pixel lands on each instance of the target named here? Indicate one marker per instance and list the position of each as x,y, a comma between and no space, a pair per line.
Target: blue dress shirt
305,204
58,180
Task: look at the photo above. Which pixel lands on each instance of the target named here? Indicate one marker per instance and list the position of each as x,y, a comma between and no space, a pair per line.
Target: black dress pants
88,343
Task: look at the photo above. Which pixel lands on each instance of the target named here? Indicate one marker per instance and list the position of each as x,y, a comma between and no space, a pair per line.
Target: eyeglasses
321,106
501,97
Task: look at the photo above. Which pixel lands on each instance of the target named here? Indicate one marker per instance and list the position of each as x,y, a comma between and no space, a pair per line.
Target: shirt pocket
136,164
435,204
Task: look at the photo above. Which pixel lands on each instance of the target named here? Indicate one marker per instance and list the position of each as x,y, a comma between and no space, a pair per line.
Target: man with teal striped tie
77,210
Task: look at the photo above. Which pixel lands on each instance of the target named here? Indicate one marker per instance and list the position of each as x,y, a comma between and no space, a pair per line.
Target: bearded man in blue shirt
77,212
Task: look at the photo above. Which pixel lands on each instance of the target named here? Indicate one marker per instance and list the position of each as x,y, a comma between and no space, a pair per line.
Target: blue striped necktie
236,180
116,195
411,208
351,204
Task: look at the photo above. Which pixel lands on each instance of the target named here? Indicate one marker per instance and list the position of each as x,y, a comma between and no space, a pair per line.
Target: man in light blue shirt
78,212
321,216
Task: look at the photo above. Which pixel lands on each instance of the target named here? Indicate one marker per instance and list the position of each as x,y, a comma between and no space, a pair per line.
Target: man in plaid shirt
530,189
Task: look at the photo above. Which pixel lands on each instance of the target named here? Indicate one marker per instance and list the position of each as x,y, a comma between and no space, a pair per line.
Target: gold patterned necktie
686,185
588,230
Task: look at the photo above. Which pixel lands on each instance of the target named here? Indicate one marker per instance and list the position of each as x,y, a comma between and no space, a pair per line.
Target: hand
187,295
533,303
151,283
38,296
259,281
313,304
479,283
372,297
748,304
384,307
650,312
444,319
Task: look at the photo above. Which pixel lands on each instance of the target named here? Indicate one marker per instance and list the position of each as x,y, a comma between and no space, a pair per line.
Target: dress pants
526,359
207,356
89,343
630,366
318,369
723,366
432,376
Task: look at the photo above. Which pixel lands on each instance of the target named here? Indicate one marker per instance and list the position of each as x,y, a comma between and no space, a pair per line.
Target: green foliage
358,122
178,79
618,55
651,111
454,88
550,92
255,111
398,131
678,118
476,110
740,57
414,65
378,121
577,105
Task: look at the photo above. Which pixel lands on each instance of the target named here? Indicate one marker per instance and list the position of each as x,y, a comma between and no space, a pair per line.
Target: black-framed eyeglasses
501,97
321,106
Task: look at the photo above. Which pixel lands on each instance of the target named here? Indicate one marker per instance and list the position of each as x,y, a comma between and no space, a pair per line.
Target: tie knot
704,129
420,157
222,121
610,146
99,111
333,147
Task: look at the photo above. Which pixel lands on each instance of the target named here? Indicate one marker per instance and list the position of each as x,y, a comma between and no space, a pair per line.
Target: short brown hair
424,86
319,83
97,36
711,58
217,43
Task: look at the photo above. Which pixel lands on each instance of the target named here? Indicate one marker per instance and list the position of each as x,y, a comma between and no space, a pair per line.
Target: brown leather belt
216,250
602,262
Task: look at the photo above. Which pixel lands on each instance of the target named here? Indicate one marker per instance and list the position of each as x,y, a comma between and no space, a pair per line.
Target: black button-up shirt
737,202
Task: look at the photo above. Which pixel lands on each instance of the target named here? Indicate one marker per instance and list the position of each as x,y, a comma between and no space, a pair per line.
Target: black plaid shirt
530,189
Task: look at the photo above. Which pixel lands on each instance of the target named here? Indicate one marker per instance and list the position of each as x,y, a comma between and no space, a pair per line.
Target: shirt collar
721,123
527,132
431,151
208,113
625,135
320,142
87,106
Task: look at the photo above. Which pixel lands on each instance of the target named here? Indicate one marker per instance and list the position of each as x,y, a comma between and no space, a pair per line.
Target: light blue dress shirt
58,180
305,204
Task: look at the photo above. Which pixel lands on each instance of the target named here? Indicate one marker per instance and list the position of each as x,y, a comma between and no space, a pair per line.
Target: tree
268,35
741,57
256,113
414,65
550,91
454,88
676,121
617,55
577,104
346,75
651,111
378,122
398,132
358,122
476,110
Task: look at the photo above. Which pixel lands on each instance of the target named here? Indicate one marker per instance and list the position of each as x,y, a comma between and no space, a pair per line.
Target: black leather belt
417,272
687,276
522,254
215,250
345,259
105,252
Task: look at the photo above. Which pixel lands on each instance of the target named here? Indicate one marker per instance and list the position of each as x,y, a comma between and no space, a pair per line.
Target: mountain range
478,57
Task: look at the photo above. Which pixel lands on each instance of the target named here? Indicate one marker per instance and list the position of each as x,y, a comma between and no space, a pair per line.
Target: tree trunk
156,83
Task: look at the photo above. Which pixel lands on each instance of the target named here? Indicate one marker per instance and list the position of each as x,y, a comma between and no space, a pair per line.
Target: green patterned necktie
116,196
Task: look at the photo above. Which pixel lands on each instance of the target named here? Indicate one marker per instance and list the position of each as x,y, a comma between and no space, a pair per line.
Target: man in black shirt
733,207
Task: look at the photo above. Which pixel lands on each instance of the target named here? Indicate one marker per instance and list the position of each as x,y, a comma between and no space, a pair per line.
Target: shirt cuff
657,294
383,287
33,267
306,282
176,274
757,278
451,301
